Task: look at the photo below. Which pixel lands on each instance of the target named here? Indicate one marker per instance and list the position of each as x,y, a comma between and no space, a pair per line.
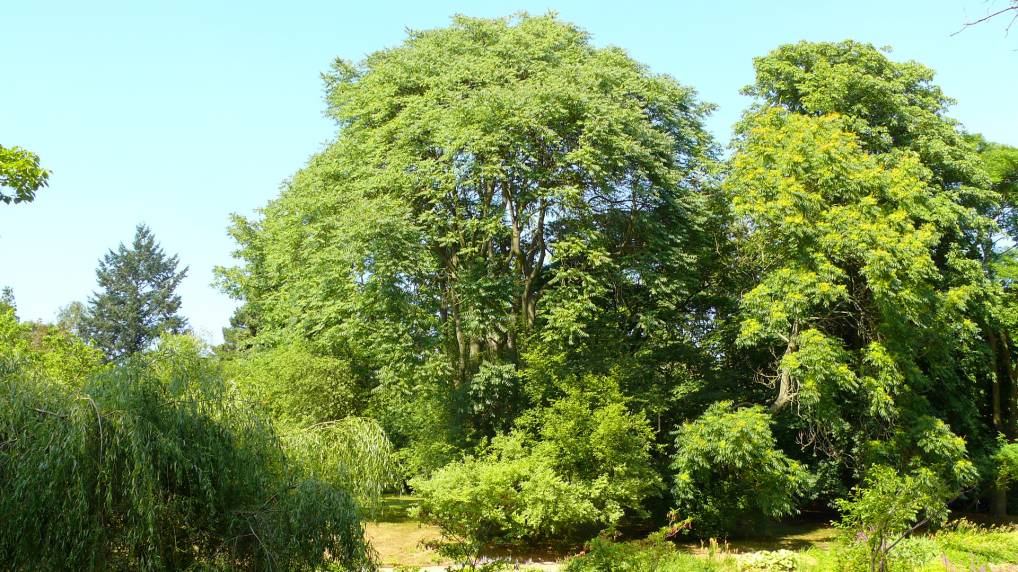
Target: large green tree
864,213
999,258
495,186
137,300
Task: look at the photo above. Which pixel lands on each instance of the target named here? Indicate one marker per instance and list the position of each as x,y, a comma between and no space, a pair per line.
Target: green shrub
1006,464
296,386
157,465
46,350
651,555
585,468
881,514
508,494
769,561
729,475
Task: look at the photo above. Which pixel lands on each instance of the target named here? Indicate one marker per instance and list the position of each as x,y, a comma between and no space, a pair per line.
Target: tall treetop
891,105
137,300
486,176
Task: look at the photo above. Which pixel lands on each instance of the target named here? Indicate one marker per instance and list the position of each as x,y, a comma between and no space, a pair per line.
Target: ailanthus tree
863,210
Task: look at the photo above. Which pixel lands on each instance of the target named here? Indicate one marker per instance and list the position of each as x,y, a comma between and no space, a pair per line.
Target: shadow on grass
396,509
795,535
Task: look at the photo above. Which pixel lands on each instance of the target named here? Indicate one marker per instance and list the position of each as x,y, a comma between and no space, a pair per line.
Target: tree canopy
495,187
509,215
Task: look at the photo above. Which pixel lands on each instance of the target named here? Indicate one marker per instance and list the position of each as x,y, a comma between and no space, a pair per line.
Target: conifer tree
137,300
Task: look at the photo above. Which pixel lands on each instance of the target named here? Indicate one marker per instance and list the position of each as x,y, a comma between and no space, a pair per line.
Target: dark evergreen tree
136,302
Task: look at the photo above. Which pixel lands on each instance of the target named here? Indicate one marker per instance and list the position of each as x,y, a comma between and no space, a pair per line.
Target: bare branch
1012,7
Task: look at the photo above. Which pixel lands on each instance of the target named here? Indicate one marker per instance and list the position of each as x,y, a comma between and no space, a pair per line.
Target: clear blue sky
178,113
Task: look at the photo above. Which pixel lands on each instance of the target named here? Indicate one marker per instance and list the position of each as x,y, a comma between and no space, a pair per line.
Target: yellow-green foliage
1006,461
20,175
353,454
45,350
650,555
882,513
311,399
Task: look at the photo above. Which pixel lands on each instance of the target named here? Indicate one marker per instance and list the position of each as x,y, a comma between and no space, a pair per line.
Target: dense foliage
508,210
289,382
563,474
729,474
523,283
470,212
890,506
154,464
20,175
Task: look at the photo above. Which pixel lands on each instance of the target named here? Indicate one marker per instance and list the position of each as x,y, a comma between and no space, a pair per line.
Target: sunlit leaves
20,175
729,473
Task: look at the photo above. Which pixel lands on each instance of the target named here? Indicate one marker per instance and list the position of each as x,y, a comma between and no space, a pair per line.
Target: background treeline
570,308
525,283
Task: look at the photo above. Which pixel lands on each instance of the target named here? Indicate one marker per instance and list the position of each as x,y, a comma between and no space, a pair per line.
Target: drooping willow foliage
157,465
352,453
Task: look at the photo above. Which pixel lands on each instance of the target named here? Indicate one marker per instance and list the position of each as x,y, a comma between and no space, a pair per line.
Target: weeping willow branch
187,476
353,453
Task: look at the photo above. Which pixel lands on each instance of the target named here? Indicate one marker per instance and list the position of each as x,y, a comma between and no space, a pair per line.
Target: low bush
729,475
769,561
584,467
883,512
650,555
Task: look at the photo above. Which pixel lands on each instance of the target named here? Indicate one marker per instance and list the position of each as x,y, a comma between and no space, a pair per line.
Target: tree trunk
461,347
1011,395
998,496
785,391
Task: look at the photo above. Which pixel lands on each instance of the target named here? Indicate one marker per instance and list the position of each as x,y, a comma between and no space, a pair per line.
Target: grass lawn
401,543
399,539
796,536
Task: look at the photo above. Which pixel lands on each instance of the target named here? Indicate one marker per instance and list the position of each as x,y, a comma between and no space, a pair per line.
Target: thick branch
785,391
